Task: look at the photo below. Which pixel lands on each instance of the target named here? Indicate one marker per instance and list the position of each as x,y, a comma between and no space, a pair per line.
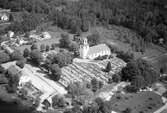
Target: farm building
93,52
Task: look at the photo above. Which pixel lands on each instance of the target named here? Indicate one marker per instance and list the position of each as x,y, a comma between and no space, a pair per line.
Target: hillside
127,40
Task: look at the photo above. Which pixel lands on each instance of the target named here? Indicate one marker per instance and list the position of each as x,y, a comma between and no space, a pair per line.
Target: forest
146,17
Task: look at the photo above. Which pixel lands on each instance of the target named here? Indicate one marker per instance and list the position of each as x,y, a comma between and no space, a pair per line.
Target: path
42,78
161,109
87,61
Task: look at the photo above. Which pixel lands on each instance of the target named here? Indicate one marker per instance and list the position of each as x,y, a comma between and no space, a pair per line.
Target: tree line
146,17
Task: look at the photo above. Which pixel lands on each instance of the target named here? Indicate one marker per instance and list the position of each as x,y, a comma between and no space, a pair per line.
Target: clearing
121,38
143,102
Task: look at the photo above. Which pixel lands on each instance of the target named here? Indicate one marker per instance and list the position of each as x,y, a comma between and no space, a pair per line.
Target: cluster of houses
19,40
39,87
39,36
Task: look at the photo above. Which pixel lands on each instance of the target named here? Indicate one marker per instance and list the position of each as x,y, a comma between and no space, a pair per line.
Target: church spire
84,48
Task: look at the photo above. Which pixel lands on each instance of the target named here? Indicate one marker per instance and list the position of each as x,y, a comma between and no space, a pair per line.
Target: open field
143,102
121,38
86,71
158,62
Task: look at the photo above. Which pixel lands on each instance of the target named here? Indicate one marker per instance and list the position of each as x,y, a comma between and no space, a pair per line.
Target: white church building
93,52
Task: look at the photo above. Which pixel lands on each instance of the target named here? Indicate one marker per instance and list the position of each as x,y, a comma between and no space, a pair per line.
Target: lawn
143,102
159,62
121,38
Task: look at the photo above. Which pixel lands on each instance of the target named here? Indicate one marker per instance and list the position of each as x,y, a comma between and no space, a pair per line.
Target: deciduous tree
94,39
42,47
47,48
20,63
26,52
16,55
4,57
56,72
36,56
64,41
34,46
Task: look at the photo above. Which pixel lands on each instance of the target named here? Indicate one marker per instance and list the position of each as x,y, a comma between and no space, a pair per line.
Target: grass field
121,38
159,61
143,102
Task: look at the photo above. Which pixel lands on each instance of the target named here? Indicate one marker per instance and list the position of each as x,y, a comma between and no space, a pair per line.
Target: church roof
98,49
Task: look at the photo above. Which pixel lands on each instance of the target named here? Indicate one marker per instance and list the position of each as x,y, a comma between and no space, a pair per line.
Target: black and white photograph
83,56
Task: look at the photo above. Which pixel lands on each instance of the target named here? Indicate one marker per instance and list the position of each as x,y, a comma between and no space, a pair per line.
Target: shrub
16,55
26,52
20,63
34,46
4,57
131,89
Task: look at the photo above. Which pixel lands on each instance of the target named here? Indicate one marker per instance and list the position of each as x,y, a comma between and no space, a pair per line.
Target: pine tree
108,67
95,85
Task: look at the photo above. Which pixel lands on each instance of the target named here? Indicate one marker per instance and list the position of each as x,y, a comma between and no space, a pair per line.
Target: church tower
84,48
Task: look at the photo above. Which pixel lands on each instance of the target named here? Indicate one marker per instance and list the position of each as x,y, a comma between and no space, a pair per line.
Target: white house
93,52
4,15
10,34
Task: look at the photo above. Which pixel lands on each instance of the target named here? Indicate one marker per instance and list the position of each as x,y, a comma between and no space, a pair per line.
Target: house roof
98,49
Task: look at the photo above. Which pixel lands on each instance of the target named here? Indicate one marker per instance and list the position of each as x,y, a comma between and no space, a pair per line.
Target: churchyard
80,72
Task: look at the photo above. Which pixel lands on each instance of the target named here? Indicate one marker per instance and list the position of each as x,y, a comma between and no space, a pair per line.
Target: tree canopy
62,59
65,41
4,57
55,72
16,55
36,56
140,73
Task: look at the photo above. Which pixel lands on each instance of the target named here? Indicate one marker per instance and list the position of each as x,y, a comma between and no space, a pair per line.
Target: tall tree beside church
94,39
64,41
108,67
